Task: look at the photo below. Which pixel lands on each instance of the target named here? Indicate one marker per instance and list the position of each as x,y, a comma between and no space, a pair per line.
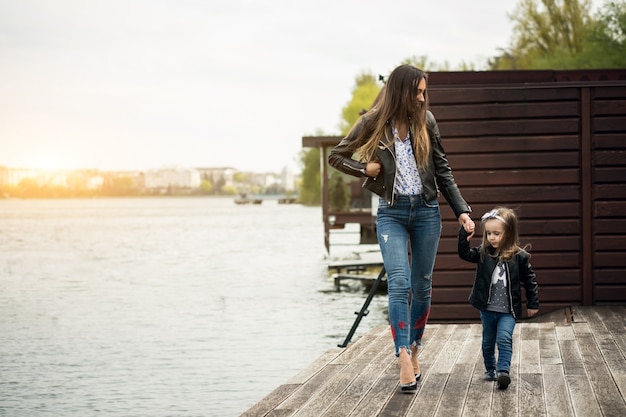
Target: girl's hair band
493,214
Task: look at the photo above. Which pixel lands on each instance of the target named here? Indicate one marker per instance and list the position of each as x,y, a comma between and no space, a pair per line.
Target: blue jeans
497,330
410,224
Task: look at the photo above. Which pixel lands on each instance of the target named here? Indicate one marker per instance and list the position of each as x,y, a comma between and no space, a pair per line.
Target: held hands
532,312
466,221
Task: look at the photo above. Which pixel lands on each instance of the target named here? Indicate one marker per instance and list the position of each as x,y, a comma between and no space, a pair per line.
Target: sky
149,84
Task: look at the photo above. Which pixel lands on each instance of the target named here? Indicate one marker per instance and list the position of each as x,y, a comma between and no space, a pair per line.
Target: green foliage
206,187
561,34
363,95
311,185
338,193
606,43
229,190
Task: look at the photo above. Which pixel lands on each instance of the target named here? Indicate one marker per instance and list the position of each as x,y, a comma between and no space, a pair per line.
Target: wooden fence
552,146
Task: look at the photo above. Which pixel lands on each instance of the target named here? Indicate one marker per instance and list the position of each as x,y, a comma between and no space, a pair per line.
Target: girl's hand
372,169
466,221
532,312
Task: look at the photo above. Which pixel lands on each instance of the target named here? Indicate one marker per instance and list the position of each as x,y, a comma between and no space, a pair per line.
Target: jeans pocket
434,203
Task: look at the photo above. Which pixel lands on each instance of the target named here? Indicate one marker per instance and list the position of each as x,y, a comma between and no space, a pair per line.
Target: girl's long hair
398,101
509,244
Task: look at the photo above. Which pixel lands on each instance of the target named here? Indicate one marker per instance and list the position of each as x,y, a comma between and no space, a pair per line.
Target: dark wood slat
609,124
514,161
610,191
610,243
521,194
541,243
535,143
439,95
518,177
518,127
607,107
609,141
610,175
463,278
613,92
494,111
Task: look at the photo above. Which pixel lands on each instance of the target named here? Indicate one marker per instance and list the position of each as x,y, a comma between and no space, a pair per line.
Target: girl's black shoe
503,380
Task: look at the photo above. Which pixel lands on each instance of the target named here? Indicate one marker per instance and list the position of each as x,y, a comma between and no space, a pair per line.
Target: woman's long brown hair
397,101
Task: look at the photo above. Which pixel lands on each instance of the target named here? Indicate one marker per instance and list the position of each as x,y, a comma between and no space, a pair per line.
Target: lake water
163,306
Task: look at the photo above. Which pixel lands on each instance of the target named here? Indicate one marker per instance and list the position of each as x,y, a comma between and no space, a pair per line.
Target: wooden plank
584,401
377,358
300,397
610,243
529,349
518,177
535,143
518,127
548,347
384,388
609,398
610,209
495,111
429,395
269,402
557,400
454,395
609,158
520,194
610,175
479,394
532,401
545,227
450,351
610,191
514,160
611,141
614,123
440,95
314,367
609,107
565,260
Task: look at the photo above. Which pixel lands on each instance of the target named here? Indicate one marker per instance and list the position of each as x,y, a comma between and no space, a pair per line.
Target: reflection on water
162,307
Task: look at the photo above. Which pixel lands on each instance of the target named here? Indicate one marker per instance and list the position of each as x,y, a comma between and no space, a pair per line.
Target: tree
206,187
363,95
310,187
338,193
561,34
606,45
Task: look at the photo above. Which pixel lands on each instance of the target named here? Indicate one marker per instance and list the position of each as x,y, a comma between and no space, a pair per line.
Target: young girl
503,267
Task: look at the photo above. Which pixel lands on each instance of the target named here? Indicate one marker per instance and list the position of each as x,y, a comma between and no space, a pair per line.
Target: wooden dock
567,363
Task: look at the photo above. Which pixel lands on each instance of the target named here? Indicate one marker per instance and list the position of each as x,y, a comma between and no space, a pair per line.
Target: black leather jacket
436,176
519,273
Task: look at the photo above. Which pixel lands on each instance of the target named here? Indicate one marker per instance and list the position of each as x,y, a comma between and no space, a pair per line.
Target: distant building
163,179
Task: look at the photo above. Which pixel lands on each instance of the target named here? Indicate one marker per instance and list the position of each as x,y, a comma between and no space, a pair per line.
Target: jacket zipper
508,282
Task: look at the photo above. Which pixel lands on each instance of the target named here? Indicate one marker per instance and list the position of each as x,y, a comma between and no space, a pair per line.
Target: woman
401,157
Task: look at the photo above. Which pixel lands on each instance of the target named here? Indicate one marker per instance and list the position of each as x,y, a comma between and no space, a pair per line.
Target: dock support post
364,311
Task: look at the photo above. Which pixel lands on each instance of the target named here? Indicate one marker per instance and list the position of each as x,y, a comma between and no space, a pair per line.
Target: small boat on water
287,200
243,199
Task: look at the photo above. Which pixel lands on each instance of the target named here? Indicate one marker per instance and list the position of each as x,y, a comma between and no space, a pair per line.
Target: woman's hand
372,169
531,312
466,221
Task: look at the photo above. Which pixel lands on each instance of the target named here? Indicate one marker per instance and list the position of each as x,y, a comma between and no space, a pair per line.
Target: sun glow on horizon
48,162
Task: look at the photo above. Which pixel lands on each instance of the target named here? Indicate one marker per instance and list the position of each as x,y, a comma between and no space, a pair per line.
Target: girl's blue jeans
414,225
497,330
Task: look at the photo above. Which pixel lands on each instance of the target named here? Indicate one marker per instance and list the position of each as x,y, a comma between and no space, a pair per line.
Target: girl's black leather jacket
435,177
519,273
